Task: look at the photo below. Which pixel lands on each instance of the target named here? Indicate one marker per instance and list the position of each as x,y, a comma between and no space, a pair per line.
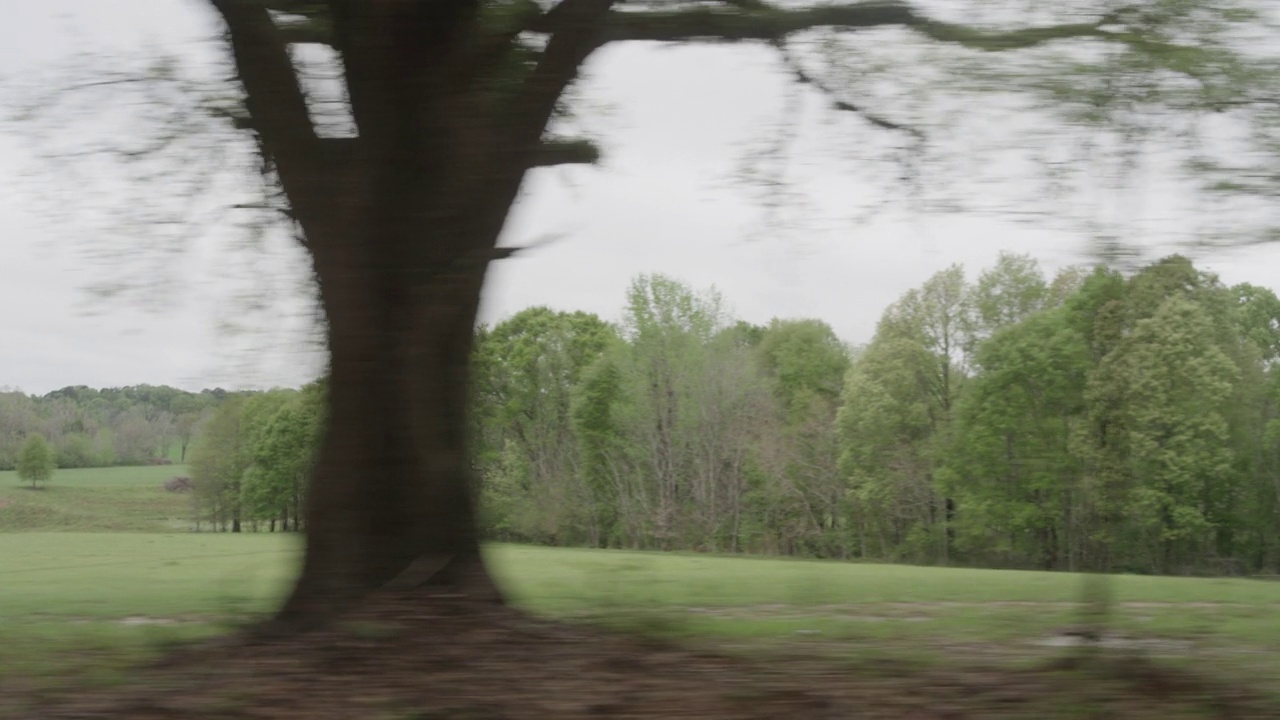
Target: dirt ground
410,658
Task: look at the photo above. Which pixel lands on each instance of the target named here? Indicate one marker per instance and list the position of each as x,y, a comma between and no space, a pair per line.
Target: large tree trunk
401,222
390,501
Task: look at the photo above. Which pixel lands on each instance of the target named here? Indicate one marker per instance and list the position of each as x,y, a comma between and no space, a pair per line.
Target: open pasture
115,499
126,593
100,569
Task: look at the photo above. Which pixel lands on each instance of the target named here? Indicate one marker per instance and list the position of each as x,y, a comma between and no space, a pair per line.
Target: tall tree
806,365
35,462
1170,387
219,464
527,369
1011,464
282,444
668,327
1005,294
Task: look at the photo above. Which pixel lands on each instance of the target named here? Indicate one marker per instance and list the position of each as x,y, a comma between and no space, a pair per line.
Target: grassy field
128,499
79,602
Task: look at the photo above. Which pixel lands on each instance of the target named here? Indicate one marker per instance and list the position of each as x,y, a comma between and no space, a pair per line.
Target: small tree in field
35,462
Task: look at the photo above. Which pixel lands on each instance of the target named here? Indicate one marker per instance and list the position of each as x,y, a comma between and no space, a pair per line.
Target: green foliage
87,427
807,363
218,467
525,373
36,462
254,457
1095,421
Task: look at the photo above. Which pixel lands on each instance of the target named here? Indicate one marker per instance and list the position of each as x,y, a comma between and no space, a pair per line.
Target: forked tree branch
273,98
573,37
574,28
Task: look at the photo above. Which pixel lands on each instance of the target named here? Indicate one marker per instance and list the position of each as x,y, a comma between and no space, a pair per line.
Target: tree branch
719,24
994,41
307,32
273,97
565,152
574,36
804,78
507,251
741,20
548,154
575,29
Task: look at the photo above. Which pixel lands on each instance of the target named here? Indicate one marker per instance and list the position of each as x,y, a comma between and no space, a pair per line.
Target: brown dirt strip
412,658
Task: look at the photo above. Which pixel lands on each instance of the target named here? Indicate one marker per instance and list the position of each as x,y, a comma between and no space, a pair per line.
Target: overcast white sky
676,127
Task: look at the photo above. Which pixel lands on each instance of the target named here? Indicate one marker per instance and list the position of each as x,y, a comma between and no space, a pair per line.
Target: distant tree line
87,427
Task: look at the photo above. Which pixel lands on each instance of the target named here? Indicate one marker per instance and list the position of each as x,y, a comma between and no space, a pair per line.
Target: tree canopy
35,462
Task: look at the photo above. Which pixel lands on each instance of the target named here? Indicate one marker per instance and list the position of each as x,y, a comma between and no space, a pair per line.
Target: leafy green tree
1256,531
36,462
527,368
219,464
1005,294
1259,318
1167,387
936,319
1010,462
897,414
886,433
597,423
282,446
805,364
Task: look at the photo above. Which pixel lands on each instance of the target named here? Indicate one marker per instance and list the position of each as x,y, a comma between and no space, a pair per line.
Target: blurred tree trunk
390,493
401,222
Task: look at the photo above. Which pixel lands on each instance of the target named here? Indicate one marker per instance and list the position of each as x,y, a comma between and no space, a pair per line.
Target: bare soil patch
409,657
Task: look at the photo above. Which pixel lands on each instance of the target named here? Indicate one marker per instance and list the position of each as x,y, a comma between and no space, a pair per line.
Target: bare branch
994,41
549,153
565,152
804,78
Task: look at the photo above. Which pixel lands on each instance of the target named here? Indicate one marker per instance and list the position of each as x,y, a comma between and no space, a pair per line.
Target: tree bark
390,500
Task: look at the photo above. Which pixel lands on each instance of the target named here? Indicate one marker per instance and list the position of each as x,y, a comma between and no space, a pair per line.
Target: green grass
127,499
64,595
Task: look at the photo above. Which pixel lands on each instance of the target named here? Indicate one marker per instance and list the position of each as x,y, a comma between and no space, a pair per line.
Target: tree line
1095,422
88,427
1089,421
